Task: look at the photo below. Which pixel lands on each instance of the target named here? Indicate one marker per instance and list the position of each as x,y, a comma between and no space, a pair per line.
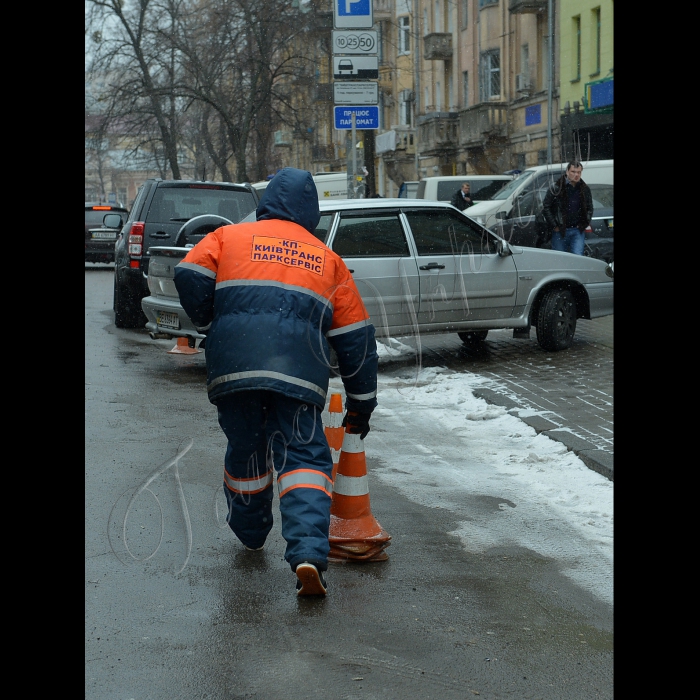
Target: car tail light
101,208
588,229
136,239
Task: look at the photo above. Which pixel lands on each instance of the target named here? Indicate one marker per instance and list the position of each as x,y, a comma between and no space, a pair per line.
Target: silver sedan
424,267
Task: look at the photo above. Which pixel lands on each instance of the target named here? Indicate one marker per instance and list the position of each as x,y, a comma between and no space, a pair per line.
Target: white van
328,185
442,187
505,204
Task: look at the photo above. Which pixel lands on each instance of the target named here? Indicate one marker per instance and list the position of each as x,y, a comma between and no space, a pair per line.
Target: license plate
105,235
167,320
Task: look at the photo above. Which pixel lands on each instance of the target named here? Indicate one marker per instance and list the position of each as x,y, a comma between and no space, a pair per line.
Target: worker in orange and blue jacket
272,297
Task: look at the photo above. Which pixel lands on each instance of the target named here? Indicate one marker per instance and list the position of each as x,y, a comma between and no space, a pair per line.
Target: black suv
160,210
99,239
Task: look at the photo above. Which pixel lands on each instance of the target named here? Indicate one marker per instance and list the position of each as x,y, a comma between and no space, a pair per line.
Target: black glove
357,423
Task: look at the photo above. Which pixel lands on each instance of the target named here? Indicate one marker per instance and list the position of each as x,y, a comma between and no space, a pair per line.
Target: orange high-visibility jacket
275,297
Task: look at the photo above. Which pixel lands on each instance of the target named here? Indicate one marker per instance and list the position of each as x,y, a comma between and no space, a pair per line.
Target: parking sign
365,117
352,14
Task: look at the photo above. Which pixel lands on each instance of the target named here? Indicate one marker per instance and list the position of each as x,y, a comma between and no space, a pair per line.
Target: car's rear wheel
556,320
472,337
126,315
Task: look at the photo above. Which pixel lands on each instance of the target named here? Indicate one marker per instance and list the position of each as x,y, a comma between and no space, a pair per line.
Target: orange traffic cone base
183,348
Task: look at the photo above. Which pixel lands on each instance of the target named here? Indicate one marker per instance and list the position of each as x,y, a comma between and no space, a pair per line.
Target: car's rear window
603,195
94,217
180,204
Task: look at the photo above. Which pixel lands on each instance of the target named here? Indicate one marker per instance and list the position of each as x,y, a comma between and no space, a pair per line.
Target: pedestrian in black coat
462,198
567,209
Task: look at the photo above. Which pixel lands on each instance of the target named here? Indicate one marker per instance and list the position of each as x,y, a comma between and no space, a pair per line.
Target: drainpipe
550,81
416,81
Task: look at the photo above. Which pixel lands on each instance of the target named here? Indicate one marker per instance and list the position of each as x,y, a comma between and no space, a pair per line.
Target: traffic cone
354,532
183,348
334,429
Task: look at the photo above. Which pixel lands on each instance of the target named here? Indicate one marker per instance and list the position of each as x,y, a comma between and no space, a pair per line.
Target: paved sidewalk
567,395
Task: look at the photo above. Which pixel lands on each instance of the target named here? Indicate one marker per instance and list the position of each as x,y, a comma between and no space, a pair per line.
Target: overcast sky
437,443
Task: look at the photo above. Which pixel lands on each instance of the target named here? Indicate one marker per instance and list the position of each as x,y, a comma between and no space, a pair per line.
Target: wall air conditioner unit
521,82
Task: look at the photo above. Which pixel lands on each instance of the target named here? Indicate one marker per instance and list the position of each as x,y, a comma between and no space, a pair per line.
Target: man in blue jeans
567,209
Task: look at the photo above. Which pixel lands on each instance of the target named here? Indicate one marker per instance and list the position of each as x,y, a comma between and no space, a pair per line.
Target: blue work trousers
276,439
573,241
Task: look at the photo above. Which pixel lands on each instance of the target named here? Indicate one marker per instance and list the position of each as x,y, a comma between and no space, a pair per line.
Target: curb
594,458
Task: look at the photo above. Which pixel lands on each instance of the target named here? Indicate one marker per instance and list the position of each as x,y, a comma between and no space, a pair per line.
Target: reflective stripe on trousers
270,434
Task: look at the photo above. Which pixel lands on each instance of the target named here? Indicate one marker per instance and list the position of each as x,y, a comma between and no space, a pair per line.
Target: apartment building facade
464,87
587,79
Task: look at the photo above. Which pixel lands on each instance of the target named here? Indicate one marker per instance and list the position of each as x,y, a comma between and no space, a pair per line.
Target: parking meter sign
365,117
352,14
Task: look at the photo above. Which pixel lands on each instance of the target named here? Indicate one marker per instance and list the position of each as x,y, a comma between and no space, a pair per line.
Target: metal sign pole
354,155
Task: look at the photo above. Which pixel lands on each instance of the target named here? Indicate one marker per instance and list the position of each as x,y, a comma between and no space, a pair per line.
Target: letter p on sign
353,7
352,14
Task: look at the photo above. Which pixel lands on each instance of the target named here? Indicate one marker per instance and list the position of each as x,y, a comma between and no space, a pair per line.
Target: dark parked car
159,211
99,239
526,225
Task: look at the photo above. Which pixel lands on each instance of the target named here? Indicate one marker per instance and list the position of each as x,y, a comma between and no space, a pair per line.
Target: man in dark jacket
273,298
462,198
567,209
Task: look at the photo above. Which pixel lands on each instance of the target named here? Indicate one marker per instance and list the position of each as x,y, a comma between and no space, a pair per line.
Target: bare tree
205,80
128,45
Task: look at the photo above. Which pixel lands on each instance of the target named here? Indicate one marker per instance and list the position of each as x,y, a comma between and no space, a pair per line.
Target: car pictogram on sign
345,66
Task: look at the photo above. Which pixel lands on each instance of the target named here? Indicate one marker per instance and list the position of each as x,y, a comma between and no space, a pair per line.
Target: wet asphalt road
177,609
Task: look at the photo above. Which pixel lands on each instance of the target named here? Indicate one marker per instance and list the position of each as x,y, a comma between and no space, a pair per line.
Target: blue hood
291,196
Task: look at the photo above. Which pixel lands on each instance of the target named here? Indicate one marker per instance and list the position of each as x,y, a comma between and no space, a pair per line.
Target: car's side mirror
503,248
501,215
112,221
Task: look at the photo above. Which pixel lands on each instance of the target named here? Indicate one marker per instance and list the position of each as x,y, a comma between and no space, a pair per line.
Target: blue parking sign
352,14
366,117
353,7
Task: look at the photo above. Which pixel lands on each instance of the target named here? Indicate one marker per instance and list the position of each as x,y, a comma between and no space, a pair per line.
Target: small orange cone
354,532
183,348
334,430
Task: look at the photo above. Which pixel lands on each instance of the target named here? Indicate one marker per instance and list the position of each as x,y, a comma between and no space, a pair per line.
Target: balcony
283,138
437,46
323,92
405,138
323,152
438,131
521,7
381,9
482,123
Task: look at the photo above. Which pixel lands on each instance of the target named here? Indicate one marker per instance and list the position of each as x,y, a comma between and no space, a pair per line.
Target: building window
596,39
426,26
542,157
525,63
465,87
465,14
437,24
438,97
520,165
484,3
490,83
577,48
404,35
